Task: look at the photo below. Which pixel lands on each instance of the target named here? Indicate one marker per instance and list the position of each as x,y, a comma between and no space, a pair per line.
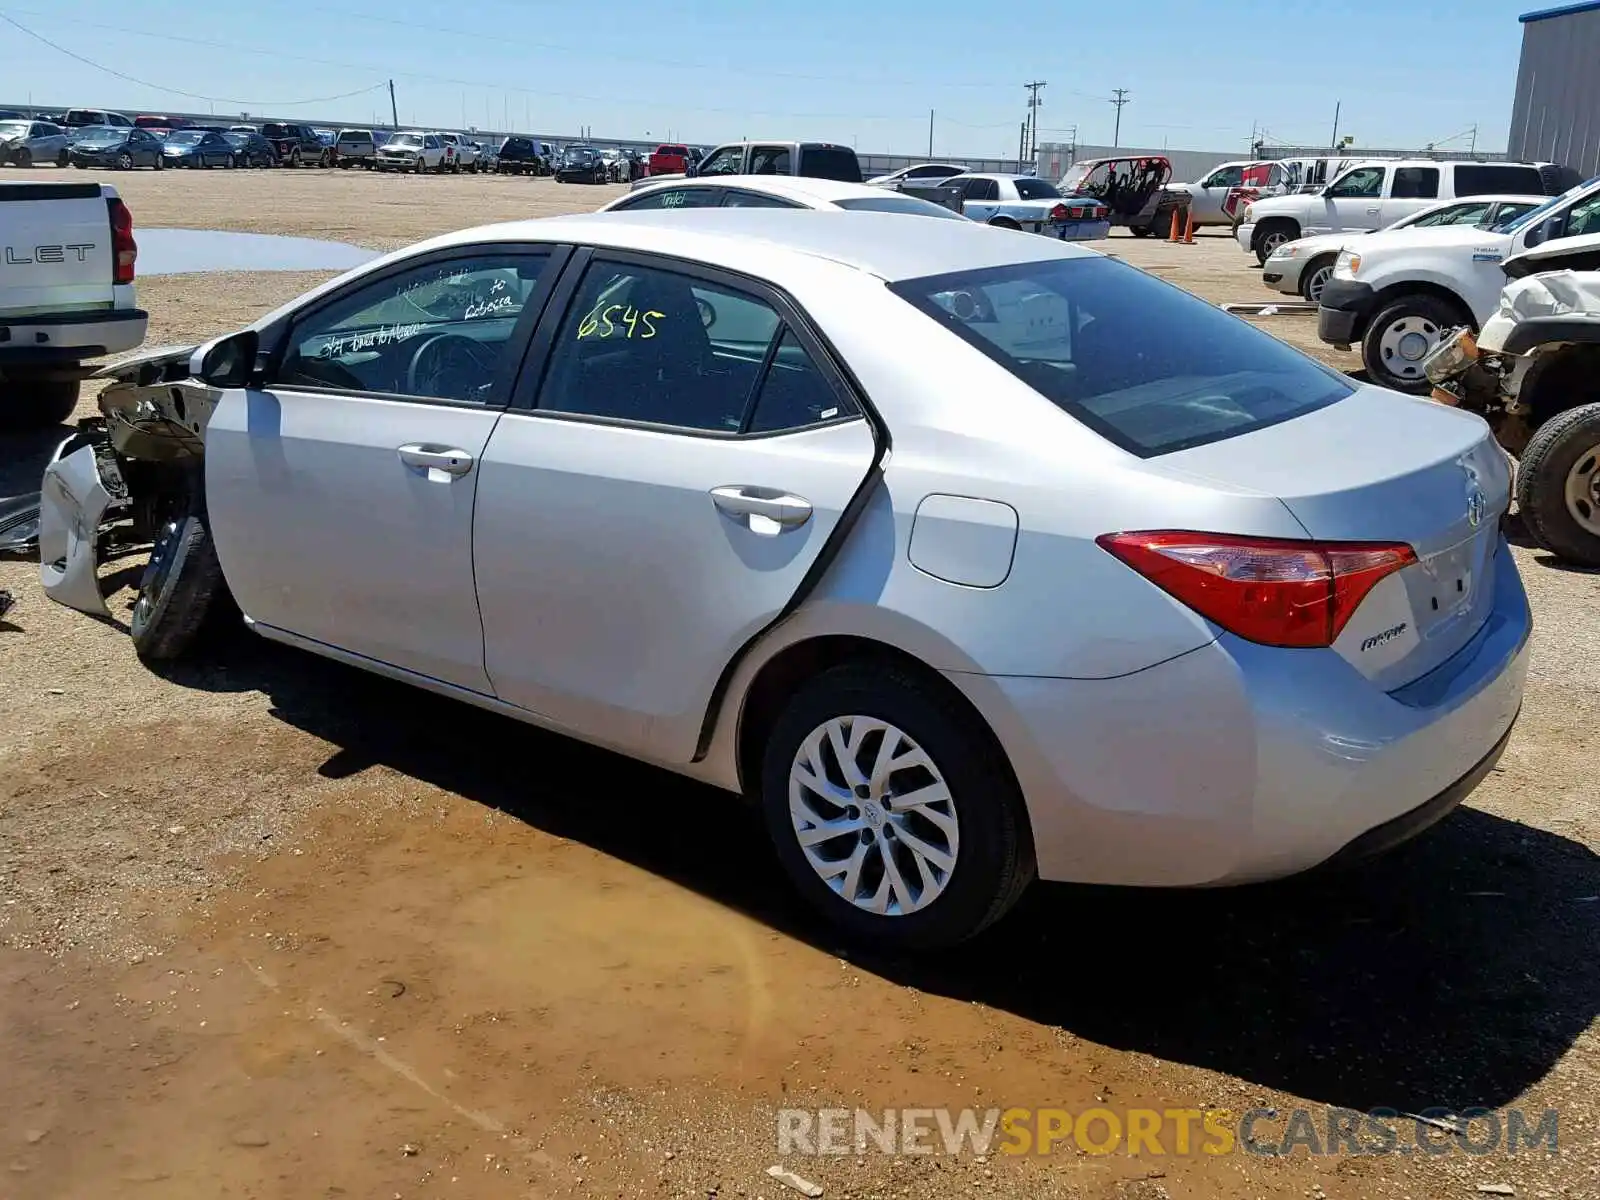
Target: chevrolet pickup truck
67,256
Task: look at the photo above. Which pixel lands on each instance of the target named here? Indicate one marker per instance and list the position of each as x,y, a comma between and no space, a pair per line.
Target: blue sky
859,71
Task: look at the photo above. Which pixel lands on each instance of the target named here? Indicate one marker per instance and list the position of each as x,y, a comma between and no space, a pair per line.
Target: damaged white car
1533,373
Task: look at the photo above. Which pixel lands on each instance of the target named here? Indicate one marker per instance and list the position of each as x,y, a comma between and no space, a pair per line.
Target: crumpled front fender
73,499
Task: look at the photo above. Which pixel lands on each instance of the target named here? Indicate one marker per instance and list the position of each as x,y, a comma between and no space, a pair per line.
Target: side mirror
226,362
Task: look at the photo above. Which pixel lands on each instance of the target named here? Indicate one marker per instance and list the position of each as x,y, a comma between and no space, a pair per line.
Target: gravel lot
270,927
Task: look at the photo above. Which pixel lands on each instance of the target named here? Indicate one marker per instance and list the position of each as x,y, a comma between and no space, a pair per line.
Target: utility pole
1119,101
930,133
1022,142
1337,105
1030,141
394,113
1473,148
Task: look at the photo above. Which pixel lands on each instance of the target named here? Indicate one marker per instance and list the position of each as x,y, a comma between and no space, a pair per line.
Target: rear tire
979,829
1400,336
1558,485
37,404
182,587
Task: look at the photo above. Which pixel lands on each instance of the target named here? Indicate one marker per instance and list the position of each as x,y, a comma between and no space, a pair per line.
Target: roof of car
882,244
798,186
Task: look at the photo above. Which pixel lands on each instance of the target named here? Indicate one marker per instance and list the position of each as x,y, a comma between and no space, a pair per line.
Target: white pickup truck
1375,193
66,294
1398,293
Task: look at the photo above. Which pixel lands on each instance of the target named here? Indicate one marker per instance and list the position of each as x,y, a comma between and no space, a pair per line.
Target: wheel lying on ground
1558,485
1400,337
182,590
37,404
891,810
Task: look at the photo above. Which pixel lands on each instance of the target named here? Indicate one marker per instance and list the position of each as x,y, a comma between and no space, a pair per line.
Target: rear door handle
425,456
767,510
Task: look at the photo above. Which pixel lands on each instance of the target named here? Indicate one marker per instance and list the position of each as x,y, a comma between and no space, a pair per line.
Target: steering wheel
450,366
966,305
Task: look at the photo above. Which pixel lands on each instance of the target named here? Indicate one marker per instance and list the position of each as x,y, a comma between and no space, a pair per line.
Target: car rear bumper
68,338
1236,762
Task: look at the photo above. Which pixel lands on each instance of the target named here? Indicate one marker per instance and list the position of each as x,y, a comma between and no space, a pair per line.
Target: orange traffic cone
1188,231
1173,235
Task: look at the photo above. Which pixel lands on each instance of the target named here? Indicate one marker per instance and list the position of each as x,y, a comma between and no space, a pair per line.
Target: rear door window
727,161
737,198
1145,364
769,160
830,162
1415,183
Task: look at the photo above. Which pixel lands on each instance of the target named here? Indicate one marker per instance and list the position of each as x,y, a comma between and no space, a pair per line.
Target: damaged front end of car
108,486
1530,358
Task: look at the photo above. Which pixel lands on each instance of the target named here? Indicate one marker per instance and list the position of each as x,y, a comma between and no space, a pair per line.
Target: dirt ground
270,927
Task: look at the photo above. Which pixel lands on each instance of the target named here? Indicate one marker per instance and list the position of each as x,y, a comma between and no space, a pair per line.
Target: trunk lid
55,249
1380,466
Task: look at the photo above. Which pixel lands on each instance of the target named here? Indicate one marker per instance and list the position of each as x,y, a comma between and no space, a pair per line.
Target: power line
1119,101
179,91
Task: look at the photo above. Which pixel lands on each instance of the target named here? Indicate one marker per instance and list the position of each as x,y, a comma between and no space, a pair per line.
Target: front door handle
425,456
1372,212
767,510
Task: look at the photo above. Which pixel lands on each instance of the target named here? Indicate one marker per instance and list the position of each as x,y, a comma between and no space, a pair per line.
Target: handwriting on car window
599,323
354,343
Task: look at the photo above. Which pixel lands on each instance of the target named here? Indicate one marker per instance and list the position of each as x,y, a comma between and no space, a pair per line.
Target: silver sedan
969,558
33,143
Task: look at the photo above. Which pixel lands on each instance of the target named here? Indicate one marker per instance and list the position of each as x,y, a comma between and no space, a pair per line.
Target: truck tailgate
55,249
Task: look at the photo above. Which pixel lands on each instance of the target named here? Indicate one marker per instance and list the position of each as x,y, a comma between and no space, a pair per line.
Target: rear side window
769,160
1036,189
1486,179
830,162
1141,362
673,197
1416,183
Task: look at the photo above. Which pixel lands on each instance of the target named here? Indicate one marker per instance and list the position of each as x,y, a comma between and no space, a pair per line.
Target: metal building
1556,115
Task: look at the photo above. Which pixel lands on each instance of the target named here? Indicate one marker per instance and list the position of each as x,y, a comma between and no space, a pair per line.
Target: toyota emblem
1476,503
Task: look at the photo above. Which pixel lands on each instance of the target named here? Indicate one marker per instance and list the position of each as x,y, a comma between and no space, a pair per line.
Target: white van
1398,293
1376,193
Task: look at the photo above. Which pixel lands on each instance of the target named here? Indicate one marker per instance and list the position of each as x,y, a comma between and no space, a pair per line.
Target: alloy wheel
873,815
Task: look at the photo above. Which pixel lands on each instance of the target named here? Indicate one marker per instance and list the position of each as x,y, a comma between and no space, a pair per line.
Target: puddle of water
193,251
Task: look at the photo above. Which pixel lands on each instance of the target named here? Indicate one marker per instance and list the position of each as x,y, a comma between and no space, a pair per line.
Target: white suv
412,151
1397,293
1376,193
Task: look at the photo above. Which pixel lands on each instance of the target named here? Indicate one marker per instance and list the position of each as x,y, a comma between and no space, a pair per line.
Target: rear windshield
274,130
673,151
1141,362
898,204
1036,189
355,135
830,162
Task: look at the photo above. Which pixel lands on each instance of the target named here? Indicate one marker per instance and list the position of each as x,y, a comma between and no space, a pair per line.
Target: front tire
927,849
1400,337
1558,485
37,404
124,162
1270,236
1315,277
24,158
182,586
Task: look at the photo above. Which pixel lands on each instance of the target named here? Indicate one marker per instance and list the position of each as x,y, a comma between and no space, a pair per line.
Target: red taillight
1268,590
1058,213
124,250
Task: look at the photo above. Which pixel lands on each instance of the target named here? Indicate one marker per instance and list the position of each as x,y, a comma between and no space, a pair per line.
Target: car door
341,486
144,147
1409,190
661,496
980,198
1211,193
1354,202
